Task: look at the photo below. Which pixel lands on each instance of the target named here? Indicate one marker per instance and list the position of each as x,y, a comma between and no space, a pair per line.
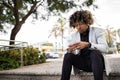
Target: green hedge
12,58
7,63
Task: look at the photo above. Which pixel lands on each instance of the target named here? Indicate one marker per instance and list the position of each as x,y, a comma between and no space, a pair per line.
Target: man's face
81,27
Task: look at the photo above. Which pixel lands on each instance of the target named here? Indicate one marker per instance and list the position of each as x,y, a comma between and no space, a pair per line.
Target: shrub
12,58
7,63
110,52
42,58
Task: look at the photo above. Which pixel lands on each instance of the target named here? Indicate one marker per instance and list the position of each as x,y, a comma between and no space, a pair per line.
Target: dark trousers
92,61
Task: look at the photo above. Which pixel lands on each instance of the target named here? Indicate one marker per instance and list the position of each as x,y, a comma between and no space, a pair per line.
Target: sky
108,13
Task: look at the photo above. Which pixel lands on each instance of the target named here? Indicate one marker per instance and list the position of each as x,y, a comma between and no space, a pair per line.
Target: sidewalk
52,66
51,70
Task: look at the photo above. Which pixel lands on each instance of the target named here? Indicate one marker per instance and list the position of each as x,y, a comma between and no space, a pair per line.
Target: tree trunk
14,32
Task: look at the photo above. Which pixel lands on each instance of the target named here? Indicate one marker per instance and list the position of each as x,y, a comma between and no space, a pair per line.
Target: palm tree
55,34
62,22
58,30
118,42
110,35
118,32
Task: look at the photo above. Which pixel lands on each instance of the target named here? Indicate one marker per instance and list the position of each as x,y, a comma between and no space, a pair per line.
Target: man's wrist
89,45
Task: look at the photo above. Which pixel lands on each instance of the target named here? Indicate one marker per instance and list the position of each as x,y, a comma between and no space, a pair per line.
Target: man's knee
68,56
97,55
96,52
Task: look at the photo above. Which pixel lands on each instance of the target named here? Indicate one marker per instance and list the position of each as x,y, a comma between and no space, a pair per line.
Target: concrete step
112,64
51,70
31,76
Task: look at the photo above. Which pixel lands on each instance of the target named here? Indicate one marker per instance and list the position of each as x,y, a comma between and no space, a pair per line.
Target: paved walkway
54,67
51,67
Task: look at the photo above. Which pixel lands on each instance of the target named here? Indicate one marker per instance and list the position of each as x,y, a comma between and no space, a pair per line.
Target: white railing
4,45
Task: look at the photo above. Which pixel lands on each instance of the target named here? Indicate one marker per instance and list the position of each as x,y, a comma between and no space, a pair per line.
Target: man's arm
101,43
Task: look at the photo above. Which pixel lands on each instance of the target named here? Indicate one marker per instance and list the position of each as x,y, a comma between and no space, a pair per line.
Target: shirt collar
86,32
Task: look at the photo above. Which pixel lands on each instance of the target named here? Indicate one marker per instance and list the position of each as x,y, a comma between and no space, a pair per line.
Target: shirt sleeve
101,42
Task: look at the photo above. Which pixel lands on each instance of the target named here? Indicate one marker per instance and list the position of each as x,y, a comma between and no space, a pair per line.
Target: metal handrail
12,46
18,46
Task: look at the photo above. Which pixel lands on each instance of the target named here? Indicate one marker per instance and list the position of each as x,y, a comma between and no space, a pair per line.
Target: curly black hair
83,16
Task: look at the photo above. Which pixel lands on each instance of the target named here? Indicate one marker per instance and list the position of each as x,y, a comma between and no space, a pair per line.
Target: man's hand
82,44
78,45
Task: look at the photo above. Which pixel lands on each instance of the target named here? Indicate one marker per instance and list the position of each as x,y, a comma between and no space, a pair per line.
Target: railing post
21,54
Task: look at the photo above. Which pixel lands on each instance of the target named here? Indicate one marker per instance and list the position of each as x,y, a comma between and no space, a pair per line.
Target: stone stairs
51,70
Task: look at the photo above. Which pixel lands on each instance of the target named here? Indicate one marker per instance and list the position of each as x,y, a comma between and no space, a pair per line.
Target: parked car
51,54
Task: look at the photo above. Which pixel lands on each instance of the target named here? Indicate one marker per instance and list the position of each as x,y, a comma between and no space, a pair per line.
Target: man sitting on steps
85,47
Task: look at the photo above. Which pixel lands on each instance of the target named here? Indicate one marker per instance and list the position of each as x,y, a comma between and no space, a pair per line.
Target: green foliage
110,34
12,58
42,58
118,31
118,46
88,2
60,5
7,63
110,52
31,56
14,11
9,59
47,44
